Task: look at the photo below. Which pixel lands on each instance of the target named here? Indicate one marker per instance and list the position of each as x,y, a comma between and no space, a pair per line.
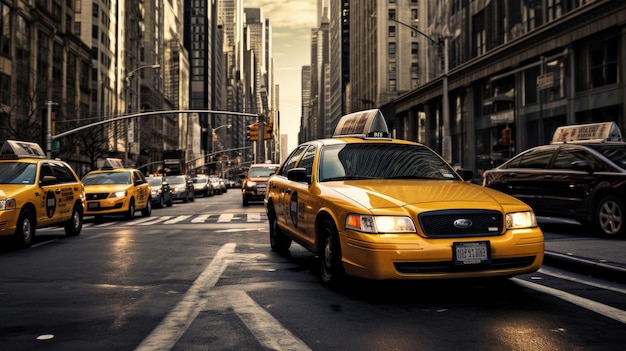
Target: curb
593,268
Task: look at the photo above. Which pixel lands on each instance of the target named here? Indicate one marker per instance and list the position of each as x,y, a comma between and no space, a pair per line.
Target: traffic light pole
261,142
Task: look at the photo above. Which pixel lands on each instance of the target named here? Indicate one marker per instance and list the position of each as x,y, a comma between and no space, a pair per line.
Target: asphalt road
201,276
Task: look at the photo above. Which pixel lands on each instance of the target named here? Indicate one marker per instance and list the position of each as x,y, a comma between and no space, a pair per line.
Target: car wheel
279,242
74,225
161,201
331,269
25,231
609,216
146,212
130,214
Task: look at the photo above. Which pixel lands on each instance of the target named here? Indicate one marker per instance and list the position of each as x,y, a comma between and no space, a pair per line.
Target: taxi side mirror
584,166
298,175
48,180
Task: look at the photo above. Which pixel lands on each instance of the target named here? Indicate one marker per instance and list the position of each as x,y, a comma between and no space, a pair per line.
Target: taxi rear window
382,161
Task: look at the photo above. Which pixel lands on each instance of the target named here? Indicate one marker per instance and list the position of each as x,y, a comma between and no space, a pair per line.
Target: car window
382,161
536,158
617,154
292,159
107,178
45,171
565,157
17,173
154,181
175,180
63,174
306,161
262,172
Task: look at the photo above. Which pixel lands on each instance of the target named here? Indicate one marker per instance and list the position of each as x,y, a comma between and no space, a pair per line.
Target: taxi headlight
380,224
517,220
8,204
250,184
119,194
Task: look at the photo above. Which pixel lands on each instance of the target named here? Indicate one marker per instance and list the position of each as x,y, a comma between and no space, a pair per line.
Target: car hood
421,195
10,190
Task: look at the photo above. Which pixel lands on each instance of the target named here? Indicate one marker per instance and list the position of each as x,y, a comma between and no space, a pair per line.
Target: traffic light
253,131
268,131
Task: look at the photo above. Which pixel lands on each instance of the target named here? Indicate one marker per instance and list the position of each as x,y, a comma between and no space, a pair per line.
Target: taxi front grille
96,196
460,223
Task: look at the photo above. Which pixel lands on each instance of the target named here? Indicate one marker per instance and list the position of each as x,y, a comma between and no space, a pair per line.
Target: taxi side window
535,159
291,160
62,173
566,157
307,160
137,178
45,171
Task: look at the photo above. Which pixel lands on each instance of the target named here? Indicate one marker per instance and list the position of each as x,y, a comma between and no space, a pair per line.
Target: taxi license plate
93,205
471,253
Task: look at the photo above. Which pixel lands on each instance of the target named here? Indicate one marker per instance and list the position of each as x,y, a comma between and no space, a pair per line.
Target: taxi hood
10,190
385,194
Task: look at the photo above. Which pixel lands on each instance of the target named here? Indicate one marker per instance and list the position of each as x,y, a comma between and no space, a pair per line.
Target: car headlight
119,194
517,220
380,224
250,184
8,204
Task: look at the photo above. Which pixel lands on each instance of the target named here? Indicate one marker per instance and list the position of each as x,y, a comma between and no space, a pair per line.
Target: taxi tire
130,214
279,242
147,211
25,230
329,252
74,225
609,217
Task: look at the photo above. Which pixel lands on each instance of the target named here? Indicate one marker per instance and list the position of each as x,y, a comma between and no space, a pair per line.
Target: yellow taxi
36,192
114,189
380,208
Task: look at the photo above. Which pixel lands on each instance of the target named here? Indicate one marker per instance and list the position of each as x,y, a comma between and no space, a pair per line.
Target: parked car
202,186
182,187
380,208
161,191
37,192
581,175
114,189
254,183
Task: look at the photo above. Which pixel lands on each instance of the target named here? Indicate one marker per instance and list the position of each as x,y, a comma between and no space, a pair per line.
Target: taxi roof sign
369,123
110,163
605,132
13,149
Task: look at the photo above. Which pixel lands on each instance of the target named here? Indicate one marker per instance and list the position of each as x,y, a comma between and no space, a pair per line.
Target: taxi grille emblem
462,223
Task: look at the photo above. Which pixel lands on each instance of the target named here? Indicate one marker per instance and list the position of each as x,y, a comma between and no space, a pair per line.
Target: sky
291,22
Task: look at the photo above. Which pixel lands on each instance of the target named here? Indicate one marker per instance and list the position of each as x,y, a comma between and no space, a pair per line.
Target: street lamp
127,79
442,43
213,130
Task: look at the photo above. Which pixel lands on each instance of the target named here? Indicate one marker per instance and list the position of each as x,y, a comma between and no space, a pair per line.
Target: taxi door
48,208
299,204
142,188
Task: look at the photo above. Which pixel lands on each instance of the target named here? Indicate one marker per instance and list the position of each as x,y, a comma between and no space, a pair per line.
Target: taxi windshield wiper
408,176
331,179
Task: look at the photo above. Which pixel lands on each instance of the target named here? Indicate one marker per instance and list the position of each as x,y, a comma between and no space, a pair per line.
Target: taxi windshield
382,161
107,178
17,173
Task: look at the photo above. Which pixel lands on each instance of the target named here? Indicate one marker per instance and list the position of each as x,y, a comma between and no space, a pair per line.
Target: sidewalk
583,253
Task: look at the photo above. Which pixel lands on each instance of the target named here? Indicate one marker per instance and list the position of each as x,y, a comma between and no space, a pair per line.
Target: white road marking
226,217
200,219
176,220
254,217
178,320
156,220
605,310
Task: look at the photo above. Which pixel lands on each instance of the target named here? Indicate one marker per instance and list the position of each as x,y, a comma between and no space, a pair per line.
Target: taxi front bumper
8,222
106,206
410,256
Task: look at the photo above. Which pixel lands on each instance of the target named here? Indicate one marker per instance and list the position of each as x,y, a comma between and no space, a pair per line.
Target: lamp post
213,130
128,105
442,43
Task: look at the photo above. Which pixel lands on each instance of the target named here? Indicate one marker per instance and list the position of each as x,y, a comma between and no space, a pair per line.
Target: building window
392,31
392,14
480,34
603,62
5,27
392,49
554,9
414,48
392,85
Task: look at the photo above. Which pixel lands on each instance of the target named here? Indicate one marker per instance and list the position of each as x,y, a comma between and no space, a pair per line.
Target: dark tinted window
537,158
292,159
567,155
63,174
615,153
307,159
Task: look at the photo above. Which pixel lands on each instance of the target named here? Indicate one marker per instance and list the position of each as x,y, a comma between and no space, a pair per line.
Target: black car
161,191
581,175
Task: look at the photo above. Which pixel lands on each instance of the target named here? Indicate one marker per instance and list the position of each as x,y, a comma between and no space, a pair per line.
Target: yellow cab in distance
37,192
114,189
380,208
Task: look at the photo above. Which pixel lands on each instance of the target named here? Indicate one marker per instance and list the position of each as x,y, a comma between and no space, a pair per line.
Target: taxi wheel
75,224
146,212
609,216
279,242
131,210
25,231
331,269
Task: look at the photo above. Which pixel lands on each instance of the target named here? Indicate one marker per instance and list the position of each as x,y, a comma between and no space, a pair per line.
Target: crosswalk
207,218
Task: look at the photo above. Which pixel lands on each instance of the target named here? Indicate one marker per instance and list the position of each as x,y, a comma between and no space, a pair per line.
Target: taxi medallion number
471,253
